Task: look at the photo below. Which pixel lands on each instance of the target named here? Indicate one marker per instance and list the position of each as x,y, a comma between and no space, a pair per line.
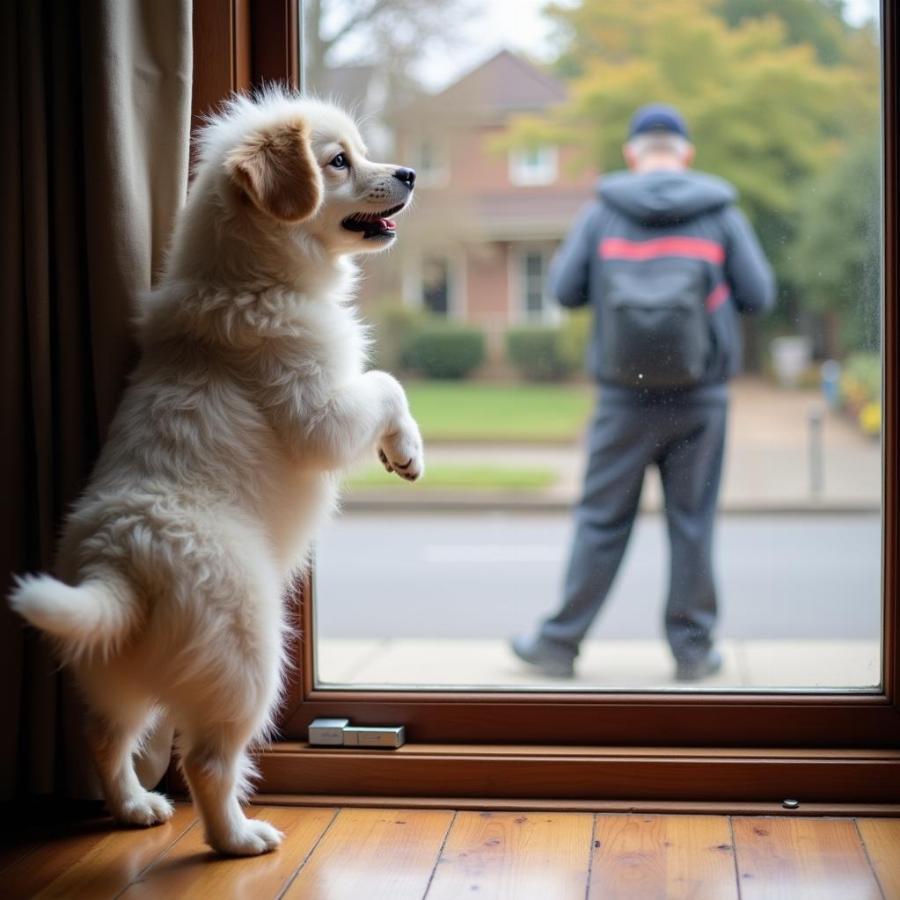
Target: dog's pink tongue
388,223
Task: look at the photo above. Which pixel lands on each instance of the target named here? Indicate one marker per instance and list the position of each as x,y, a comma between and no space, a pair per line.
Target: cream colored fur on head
250,400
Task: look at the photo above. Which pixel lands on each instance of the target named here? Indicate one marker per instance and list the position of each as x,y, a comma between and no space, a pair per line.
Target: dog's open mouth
374,225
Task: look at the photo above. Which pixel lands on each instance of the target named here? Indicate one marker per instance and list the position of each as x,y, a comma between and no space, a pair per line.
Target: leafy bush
863,371
443,350
538,353
861,380
395,324
575,334
861,390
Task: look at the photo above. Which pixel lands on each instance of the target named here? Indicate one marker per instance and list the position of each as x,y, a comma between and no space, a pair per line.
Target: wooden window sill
623,776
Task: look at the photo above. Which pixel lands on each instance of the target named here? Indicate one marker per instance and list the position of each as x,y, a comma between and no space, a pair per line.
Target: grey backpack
654,321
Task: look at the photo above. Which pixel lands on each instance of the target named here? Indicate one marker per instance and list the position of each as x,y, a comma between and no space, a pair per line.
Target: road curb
466,502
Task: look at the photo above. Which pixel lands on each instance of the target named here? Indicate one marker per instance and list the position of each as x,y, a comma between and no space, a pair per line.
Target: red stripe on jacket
690,247
717,297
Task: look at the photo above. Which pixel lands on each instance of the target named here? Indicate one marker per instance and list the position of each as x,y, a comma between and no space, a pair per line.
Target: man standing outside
667,263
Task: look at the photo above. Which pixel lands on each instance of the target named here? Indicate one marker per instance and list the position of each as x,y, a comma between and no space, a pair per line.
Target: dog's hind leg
217,769
114,741
228,686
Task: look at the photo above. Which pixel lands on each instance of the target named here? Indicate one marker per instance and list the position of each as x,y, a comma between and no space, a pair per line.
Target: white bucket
791,357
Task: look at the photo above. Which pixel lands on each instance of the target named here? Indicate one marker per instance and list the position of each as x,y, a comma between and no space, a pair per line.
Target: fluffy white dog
249,400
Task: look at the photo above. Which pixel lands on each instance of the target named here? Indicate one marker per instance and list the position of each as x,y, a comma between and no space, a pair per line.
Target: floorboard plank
374,854
666,857
95,864
514,856
408,854
881,838
189,869
802,859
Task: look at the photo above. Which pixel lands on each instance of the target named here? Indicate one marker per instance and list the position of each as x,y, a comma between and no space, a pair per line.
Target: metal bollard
816,461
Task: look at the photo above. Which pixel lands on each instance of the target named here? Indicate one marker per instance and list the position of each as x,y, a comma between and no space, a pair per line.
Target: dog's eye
340,162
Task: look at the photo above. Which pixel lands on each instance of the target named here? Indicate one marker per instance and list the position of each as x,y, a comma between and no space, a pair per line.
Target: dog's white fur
248,402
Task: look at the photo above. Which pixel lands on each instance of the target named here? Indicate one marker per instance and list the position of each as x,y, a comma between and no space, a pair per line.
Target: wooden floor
368,854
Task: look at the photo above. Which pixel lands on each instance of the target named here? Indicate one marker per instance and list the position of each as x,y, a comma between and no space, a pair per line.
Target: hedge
539,353
443,350
395,325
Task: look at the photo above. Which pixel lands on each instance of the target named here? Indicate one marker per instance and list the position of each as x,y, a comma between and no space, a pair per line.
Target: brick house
486,220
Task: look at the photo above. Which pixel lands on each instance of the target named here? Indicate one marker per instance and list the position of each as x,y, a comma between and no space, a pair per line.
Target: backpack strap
717,296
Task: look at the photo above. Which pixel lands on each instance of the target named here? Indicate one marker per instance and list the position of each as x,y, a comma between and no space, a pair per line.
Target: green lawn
449,475
473,411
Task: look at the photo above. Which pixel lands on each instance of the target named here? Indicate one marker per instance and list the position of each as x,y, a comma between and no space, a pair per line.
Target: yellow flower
870,418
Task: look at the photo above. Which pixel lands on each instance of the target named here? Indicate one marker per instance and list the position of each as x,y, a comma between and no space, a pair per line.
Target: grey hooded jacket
634,211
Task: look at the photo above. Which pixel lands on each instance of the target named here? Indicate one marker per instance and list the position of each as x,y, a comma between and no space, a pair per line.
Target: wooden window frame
608,750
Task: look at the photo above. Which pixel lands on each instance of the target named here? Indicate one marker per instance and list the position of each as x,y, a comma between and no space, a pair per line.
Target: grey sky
511,24
519,25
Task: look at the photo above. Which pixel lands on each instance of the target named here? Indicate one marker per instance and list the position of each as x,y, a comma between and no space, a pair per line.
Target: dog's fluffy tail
97,615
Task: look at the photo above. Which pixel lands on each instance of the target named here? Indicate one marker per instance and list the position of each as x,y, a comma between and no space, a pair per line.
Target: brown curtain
94,143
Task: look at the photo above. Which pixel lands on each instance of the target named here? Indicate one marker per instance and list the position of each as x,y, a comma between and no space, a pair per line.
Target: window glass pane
533,165
534,283
636,306
436,285
426,156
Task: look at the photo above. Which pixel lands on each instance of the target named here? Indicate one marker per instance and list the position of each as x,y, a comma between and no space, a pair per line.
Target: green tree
820,23
765,111
837,253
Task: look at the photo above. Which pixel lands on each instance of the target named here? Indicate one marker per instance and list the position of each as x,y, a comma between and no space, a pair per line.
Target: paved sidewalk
614,664
769,464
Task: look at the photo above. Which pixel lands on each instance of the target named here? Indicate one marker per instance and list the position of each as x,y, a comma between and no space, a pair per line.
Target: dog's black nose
407,176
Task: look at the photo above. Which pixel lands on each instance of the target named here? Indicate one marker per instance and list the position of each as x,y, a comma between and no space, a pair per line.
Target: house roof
506,83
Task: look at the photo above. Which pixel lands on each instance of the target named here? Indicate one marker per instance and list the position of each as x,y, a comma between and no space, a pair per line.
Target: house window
533,276
430,163
533,165
534,302
436,285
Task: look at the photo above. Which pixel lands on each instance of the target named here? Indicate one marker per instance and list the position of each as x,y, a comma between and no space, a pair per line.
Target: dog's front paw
252,838
148,808
401,452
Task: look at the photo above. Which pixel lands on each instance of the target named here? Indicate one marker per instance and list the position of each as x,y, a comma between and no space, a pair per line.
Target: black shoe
554,665
698,669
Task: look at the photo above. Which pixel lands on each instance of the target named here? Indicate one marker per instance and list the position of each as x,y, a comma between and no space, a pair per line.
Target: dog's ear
276,169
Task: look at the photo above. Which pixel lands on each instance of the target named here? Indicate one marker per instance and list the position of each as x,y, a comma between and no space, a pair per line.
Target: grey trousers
685,437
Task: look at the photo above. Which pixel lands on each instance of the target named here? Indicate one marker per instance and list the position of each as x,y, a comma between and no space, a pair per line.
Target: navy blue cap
657,117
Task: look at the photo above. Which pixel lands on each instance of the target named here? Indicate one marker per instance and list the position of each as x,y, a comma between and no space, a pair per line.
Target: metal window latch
340,733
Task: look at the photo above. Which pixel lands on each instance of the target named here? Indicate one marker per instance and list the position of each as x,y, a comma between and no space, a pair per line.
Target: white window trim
551,313
523,173
413,283
438,175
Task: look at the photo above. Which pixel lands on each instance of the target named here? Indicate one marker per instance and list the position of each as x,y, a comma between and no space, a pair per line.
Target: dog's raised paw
410,469
401,453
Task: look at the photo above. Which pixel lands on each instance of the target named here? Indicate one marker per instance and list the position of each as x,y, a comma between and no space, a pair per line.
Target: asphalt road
493,575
